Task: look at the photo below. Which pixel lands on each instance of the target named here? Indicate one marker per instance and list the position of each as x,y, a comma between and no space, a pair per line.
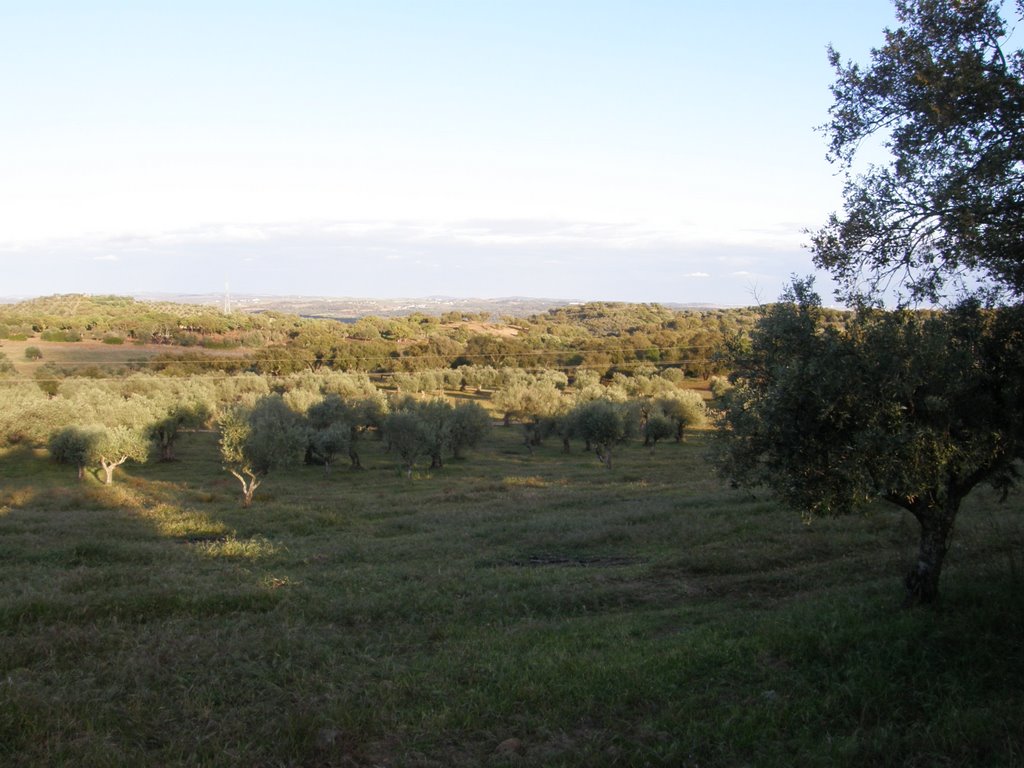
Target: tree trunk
110,466
81,471
250,483
936,519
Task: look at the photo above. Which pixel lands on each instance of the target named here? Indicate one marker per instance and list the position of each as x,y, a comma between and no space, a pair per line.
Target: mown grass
508,610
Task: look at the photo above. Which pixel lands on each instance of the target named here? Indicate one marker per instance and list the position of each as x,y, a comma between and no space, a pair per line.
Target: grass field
509,610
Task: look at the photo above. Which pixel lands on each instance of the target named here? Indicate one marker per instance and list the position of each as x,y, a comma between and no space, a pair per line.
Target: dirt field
92,352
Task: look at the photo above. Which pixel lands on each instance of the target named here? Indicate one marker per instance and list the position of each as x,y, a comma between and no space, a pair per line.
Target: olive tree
362,412
407,435
945,96
657,427
603,424
469,425
116,445
110,447
72,445
328,442
166,430
914,408
532,402
683,408
329,432
255,441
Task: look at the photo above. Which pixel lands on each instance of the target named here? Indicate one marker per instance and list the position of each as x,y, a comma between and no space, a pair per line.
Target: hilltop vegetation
599,336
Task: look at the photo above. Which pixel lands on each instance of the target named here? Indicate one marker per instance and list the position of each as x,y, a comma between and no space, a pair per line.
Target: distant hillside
347,308
351,308
278,336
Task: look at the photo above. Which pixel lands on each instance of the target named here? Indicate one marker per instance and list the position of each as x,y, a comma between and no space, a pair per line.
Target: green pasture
509,610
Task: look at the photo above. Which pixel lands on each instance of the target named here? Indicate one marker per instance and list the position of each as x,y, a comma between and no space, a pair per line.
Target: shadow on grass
643,616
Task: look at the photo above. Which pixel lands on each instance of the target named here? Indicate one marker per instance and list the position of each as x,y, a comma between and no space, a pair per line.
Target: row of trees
318,417
32,412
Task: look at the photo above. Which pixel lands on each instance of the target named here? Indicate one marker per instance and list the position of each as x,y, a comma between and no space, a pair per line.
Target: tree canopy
944,217
915,408
254,441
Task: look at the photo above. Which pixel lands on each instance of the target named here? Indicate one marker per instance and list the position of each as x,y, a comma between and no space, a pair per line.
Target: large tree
943,214
914,408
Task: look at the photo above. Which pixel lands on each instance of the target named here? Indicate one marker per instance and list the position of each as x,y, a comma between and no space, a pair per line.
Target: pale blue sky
584,149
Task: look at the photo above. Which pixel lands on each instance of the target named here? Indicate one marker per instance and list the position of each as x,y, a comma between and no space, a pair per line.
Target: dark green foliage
33,353
408,436
359,413
916,408
328,442
166,431
60,335
330,430
470,423
602,424
658,427
73,446
948,99
434,428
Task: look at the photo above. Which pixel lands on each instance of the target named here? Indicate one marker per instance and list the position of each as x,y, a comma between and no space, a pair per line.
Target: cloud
474,257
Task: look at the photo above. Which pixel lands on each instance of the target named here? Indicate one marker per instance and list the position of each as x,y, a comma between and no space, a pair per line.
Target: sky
619,150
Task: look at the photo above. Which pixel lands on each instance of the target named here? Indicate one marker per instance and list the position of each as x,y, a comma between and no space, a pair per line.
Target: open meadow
510,609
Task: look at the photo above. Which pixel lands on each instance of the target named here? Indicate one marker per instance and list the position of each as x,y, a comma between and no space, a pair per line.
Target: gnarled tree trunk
936,517
110,466
250,482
